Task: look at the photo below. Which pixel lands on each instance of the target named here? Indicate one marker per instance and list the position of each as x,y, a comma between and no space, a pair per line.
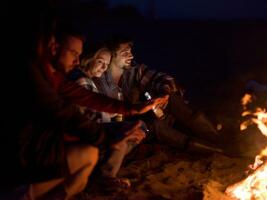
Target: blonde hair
88,60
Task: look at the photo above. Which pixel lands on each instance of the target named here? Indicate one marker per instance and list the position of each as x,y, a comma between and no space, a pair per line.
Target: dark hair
42,38
114,42
66,30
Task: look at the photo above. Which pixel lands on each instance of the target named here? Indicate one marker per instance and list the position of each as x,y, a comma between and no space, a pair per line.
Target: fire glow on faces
123,57
99,64
69,54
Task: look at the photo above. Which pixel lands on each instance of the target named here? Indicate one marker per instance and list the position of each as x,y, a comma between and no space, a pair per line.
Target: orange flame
259,159
255,185
246,99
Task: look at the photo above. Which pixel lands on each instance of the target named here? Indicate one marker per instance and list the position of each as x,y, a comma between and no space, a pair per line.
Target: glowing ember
254,187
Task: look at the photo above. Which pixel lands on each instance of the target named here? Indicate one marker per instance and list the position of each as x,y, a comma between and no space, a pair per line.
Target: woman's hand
149,105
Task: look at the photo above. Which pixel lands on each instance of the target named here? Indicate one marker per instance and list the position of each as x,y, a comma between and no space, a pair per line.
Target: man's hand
134,134
149,105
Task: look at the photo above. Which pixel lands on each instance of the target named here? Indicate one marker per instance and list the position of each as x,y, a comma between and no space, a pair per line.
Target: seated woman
94,65
43,158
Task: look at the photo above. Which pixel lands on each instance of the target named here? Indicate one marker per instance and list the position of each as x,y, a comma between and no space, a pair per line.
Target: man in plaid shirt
133,80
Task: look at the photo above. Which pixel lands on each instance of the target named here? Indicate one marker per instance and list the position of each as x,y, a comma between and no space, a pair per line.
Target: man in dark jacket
181,124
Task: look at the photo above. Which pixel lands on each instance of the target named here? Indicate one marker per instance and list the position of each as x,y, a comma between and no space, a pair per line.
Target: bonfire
254,187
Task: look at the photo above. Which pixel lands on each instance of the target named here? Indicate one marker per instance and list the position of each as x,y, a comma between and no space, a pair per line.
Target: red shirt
74,93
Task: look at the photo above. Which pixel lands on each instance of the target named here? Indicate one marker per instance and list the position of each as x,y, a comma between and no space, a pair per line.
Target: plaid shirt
135,82
93,115
87,83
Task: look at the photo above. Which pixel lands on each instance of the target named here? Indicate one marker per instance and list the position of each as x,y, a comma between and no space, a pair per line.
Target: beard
126,66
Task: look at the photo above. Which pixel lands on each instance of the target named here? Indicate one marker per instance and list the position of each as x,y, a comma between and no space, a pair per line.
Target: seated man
57,141
93,65
135,80
48,167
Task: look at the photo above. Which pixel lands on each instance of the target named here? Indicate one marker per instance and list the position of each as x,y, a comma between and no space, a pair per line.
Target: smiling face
123,56
99,64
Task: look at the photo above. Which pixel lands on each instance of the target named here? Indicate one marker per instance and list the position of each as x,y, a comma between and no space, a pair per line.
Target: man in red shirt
57,142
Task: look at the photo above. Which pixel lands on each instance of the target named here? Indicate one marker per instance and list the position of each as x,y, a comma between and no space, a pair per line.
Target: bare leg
81,161
113,164
38,189
133,136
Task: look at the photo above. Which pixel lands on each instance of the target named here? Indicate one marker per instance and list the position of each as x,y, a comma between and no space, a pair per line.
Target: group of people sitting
91,113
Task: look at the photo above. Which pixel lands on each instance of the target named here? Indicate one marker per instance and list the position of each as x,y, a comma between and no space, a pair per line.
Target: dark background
212,47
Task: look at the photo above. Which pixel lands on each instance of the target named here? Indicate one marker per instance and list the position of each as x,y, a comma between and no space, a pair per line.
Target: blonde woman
93,66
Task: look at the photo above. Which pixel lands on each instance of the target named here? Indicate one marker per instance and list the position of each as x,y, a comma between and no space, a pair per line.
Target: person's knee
80,156
89,158
91,154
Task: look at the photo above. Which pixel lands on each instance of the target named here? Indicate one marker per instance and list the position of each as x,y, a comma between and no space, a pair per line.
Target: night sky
200,9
